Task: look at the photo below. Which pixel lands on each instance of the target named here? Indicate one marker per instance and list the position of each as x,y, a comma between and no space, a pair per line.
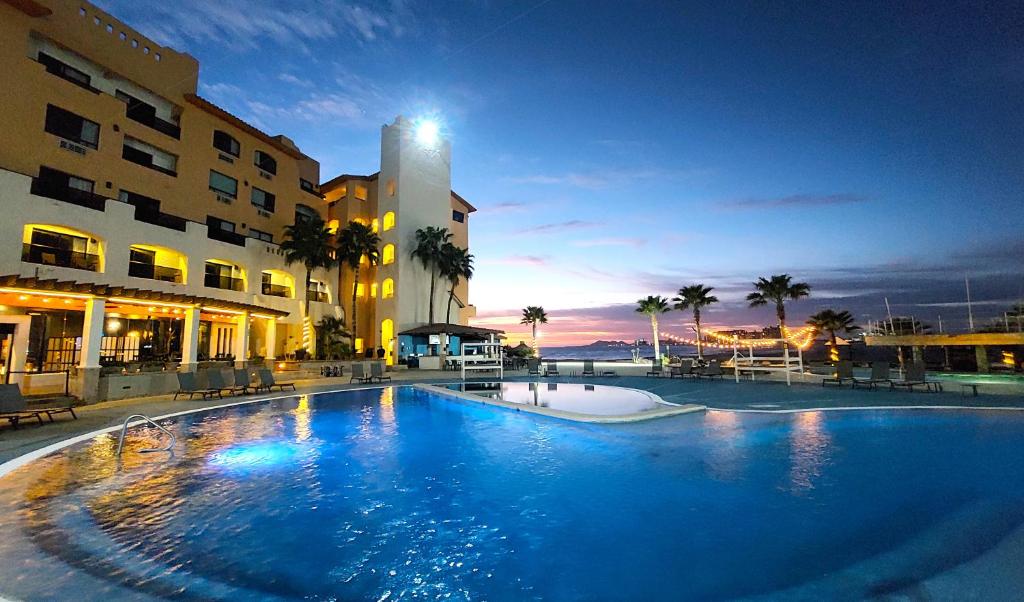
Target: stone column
190,340
981,354
270,345
241,350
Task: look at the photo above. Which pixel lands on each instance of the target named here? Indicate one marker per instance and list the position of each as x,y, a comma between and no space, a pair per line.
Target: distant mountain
608,344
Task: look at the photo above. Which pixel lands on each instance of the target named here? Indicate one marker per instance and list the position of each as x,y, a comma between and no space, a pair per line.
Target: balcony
64,258
150,271
145,113
226,283
144,159
276,290
62,192
147,210
222,235
318,296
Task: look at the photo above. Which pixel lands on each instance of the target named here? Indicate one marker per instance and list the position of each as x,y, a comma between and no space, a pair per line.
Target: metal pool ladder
124,430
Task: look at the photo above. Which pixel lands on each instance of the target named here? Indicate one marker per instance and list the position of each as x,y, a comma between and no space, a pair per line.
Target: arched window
387,289
373,290
226,143
304,213
387,254
389,220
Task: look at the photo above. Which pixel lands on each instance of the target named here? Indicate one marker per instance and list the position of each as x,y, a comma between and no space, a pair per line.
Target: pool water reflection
597,400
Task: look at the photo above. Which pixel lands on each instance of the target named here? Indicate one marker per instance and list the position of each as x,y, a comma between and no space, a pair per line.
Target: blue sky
617,150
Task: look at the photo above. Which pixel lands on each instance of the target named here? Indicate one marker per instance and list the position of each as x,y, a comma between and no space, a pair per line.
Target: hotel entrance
6,351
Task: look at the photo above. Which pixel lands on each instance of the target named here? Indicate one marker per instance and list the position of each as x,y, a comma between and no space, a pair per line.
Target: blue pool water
396,494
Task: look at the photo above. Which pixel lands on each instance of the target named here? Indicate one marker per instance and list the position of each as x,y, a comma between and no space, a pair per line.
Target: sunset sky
617,150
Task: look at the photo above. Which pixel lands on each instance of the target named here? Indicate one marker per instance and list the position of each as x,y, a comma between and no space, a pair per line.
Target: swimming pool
399,494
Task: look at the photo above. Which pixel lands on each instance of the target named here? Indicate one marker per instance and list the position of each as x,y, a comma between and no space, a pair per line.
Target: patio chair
915,377
243,380
267,381
712,370
684,369
879,374
359,374
215,380
188,384
377,371
588,368
551,369
656,369
533,367
844,372
14,407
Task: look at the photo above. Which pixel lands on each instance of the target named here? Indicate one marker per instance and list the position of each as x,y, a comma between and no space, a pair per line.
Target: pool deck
724,394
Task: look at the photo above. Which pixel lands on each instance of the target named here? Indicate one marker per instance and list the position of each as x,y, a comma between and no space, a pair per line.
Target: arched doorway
387,340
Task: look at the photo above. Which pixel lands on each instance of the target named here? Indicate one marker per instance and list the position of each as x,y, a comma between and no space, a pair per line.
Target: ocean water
587,352
396,494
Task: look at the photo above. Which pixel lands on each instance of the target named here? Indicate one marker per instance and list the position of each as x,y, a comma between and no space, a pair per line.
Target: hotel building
142,222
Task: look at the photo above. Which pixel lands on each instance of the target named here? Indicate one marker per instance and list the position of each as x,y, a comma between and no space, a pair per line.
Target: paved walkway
724,394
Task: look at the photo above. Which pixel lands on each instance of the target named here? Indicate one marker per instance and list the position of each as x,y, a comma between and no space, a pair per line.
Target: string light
801,339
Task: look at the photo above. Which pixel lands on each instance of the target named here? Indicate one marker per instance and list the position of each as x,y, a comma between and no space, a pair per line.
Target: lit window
373,290
359,345
375,226
389,220
388,254
333,226
360,289
388,289
362,193
343,192
391,187
363,259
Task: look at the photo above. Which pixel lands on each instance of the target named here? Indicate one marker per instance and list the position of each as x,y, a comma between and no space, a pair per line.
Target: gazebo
424,342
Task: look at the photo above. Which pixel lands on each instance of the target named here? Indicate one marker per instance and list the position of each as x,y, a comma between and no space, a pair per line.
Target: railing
152,121
144,159
158,218
222,235
223,282
318,296
124,431
276,290
64,258
62,192
154,272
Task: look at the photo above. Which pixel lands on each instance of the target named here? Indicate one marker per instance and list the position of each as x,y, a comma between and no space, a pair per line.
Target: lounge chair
14,407
267,381
551,369
656,369
588,367
879,374
915,377
533,367
359,374
215,380
243,380
684,369
187,384
712,370
844,372
377,371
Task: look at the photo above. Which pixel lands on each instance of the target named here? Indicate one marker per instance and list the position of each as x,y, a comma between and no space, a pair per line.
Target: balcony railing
223,282
318,296
154,272
224,236
164,127
144,159
276,290
62,192
59,257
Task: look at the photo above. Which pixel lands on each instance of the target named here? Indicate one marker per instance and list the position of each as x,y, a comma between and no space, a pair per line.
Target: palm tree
831,321
653,306
695,297
778,289
455,264
354,242
533,315
429,242
332,331
308,242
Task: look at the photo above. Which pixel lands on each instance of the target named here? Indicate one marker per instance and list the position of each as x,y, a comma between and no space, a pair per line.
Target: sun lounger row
14,407
242,381
378,372
687,368
880,375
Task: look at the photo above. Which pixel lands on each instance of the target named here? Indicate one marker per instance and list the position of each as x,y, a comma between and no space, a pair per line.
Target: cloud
795,200
293,80
573,224
518,260
606,178
507,207
611,242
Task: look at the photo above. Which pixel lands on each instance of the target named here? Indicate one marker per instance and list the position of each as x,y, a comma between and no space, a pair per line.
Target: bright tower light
427,132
